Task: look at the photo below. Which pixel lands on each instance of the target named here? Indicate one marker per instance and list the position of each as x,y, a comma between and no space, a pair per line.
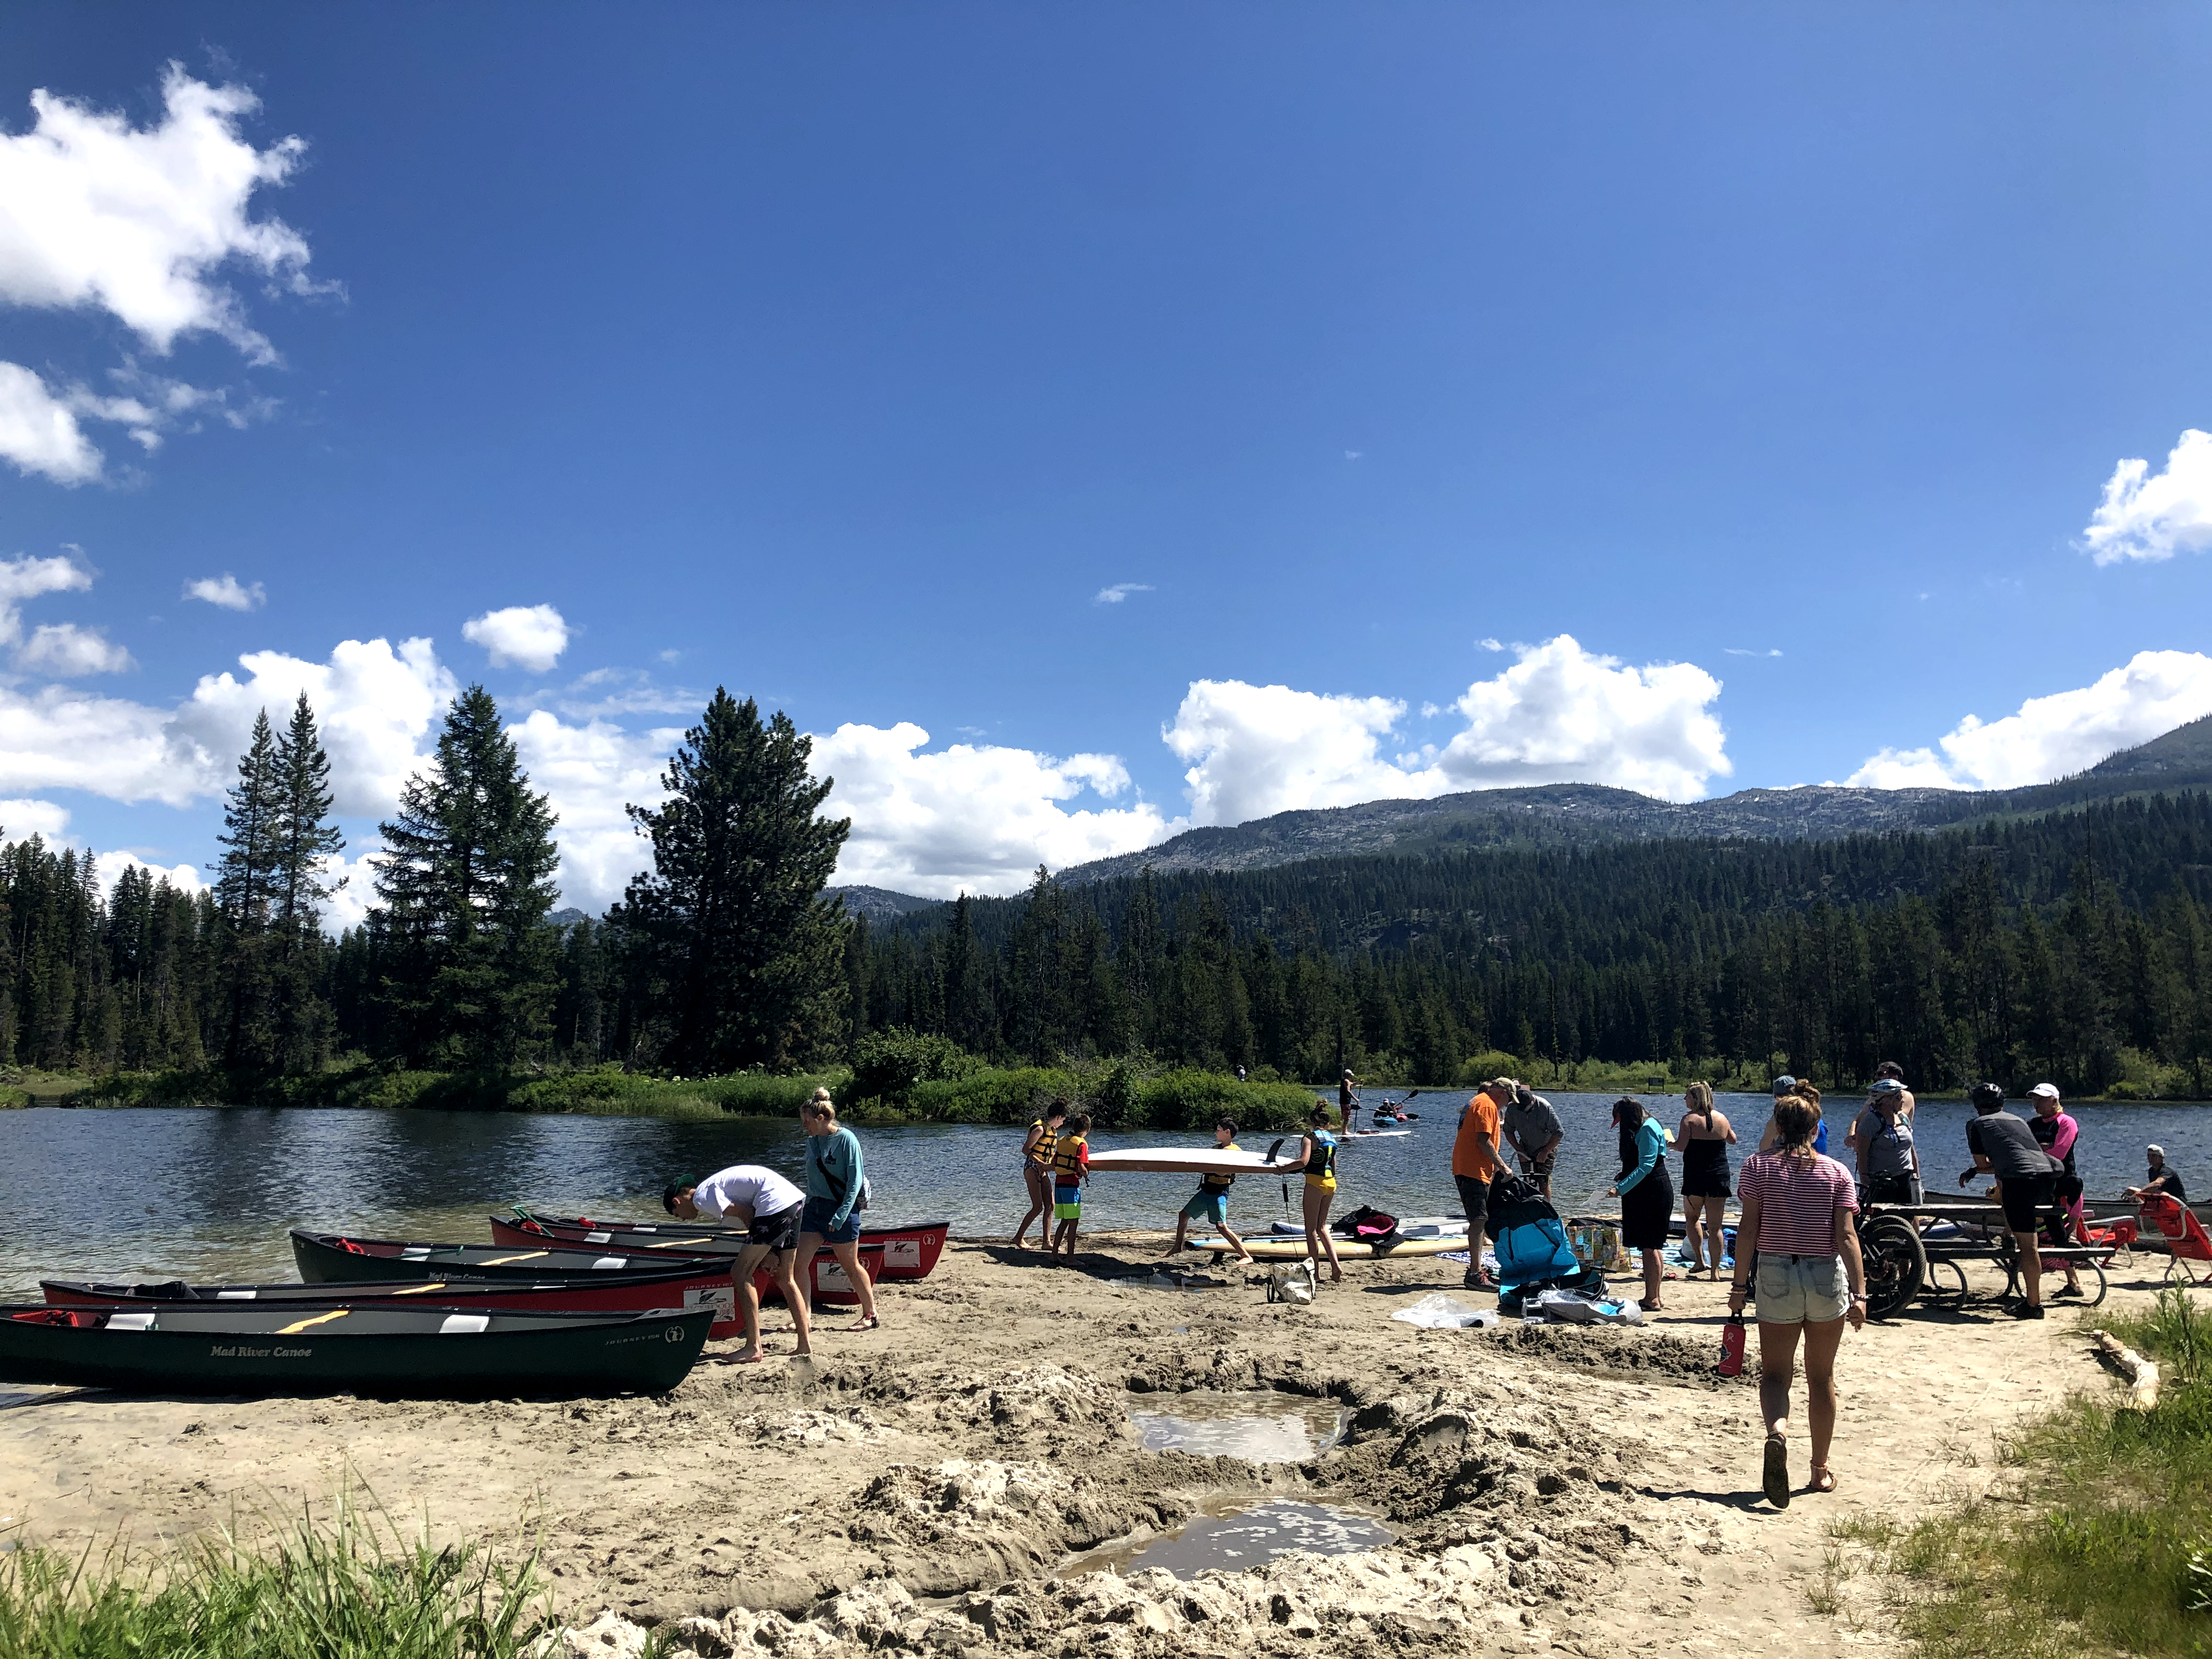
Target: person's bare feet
753,1359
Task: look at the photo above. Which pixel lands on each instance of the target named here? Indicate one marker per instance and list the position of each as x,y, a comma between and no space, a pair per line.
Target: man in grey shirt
1532,1130
2004,1147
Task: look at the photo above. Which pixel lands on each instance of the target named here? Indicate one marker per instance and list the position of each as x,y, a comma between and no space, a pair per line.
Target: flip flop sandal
1824,1478
866,1325
1774,1479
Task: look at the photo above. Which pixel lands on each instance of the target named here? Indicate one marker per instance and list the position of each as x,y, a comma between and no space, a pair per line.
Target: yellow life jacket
1211,1182
1068,1160
1048,1137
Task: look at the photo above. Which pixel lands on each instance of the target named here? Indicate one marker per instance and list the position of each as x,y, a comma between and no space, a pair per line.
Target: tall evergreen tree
731,917
468,974
246,888
301,839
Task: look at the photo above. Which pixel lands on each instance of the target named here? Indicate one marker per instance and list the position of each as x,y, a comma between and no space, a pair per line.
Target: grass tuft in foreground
2101,1538
335,1590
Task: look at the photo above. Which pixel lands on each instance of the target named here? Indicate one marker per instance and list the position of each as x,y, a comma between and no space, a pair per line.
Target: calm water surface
206,1194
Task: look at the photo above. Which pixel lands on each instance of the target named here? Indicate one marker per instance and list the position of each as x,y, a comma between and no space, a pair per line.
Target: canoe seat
465,1324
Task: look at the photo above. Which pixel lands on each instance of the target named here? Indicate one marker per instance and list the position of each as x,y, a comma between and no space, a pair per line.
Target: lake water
206,1194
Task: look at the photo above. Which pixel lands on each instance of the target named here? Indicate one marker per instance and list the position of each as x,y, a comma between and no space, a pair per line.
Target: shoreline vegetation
2094,1541
945,1087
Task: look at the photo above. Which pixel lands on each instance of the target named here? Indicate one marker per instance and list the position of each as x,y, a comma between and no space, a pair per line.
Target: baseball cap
2161,1151
1884,1085
2045,1091
1784,1084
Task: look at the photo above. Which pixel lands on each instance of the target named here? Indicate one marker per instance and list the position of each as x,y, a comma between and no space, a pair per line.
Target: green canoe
432,1353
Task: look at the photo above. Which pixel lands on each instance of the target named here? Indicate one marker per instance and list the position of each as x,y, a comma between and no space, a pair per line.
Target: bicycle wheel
1896,1265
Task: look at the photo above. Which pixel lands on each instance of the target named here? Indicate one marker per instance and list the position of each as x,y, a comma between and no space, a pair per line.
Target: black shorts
779,1231
1892,1189
1537,1168
1474,1198
2024,1199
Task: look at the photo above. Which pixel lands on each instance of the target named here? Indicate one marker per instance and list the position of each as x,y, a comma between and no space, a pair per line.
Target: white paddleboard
1187,1160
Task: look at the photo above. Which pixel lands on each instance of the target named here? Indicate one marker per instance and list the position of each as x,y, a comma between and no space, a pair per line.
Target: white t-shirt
761,1190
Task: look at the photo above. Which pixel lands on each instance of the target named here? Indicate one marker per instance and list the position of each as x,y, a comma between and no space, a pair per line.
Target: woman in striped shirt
1800,1213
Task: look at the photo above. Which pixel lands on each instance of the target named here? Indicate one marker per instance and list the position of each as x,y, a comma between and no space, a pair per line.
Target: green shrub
887,1065
1192,1100
1478,1069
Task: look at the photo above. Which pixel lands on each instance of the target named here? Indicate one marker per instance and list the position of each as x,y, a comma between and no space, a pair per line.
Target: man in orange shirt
1474,1166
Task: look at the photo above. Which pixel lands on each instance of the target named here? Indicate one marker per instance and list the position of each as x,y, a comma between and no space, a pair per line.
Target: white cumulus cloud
971,818
227,592
65,652
2152,517
1559,715
589,774
27,578
530,637
21,819
95,213
108,868
1263,749
1563,715
2055,736
98,215
39,431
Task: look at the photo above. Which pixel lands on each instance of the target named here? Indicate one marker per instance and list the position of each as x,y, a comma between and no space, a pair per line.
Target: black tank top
1704,1157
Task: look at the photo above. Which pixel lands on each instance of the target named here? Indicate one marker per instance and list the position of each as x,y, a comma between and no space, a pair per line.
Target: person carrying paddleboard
1317,1158
1210,1201
769,1208
1071,1168
1036,1172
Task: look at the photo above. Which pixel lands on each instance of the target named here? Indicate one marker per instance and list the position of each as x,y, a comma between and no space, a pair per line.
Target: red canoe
683,1287
909,1252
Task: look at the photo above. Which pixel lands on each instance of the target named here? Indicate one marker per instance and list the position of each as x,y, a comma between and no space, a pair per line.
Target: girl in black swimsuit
1705,1136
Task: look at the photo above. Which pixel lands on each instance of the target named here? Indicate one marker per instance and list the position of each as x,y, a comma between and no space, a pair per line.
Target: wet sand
915,1488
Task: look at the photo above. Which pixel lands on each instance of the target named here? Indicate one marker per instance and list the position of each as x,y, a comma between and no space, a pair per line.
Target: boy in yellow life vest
1210,1201
1071,1168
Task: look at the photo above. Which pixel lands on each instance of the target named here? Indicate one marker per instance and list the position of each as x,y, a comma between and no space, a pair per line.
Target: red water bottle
1732,1346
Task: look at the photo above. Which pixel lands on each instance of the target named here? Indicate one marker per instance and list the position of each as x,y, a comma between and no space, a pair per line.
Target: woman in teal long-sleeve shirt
1647,1193
835,1172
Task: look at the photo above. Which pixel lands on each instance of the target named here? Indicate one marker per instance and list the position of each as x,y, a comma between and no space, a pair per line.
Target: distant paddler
769,1208
1210,1201
1037,1148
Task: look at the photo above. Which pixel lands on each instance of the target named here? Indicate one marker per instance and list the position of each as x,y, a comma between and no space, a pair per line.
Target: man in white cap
2164,1180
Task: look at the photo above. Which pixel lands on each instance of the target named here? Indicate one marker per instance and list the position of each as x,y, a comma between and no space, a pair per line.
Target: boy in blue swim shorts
1071,1168
1210,1203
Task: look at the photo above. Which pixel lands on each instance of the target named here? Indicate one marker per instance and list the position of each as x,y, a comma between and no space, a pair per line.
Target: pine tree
731,917
302,838
467,972
244,887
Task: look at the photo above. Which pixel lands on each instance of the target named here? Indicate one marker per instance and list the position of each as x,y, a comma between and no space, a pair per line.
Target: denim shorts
1801,1289
816,1220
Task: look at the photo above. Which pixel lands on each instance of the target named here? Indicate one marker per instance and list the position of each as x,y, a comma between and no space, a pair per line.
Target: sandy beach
915,1488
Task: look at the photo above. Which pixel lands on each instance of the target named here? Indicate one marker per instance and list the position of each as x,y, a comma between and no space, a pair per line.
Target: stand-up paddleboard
1213,1160
1187,1160
1284,1250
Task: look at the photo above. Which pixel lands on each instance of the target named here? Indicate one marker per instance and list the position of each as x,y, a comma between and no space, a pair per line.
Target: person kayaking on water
1210,1201
769,1208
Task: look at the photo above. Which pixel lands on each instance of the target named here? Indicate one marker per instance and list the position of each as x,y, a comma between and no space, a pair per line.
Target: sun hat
2044,1090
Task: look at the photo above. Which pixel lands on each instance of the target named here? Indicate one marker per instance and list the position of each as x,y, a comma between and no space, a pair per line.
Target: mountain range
1578,813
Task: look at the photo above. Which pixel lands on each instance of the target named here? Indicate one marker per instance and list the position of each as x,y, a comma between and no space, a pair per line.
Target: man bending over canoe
769,1208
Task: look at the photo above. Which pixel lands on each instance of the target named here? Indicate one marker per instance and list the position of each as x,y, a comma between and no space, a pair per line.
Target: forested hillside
2071,946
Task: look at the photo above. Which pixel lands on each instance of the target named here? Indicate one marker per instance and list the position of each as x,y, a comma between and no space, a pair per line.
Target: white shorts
1809,1290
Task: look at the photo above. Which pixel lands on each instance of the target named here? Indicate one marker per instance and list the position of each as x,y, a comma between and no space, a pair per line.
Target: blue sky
846,357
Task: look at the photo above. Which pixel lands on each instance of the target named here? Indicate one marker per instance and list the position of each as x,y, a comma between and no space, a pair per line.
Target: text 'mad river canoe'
910,1250
433,1353
682,1287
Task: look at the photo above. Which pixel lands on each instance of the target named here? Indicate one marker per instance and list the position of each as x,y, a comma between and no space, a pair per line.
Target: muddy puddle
1231,1534
1264,1427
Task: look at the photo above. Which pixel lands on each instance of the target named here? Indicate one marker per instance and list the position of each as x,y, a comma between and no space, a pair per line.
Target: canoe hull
644,1353
616,1293
908,1251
